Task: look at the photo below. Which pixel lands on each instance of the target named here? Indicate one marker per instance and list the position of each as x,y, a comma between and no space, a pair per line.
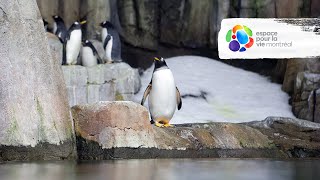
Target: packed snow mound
216,92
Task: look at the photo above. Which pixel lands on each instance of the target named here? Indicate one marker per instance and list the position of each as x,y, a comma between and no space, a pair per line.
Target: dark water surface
169,169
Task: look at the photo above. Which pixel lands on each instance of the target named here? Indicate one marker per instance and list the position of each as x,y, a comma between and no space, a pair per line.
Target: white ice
234,95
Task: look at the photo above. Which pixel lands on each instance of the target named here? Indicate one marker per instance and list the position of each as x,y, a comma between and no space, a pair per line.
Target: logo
239,38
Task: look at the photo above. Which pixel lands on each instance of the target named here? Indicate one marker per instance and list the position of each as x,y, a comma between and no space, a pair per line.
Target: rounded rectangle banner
254,38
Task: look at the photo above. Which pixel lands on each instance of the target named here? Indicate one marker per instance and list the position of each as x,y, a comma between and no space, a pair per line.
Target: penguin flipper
179,101
95,52
146,93
64,53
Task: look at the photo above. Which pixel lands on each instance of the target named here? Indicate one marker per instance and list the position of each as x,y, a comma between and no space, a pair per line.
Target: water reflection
171,169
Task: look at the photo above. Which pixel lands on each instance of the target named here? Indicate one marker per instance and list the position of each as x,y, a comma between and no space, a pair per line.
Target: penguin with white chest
164,96
109,29
72,44
59,28
89,55
107,46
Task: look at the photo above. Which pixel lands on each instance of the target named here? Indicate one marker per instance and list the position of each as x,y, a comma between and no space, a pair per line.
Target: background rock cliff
189,27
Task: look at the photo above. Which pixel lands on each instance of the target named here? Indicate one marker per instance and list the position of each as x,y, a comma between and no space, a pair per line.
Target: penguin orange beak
156,59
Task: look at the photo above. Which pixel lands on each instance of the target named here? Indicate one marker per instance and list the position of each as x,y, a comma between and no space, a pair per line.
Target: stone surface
95,12
34,111
305,98
104,82
114,124
294,66
288,8
138,19
266,8
279,71
55,47
103,131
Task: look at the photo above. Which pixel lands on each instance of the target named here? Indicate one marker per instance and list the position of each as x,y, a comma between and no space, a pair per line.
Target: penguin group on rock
73,46
163,95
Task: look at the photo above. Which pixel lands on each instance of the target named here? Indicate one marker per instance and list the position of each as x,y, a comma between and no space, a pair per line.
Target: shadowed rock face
110,130
33,100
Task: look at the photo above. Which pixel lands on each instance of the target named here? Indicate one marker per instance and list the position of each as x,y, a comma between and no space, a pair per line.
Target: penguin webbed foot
158,124
163,124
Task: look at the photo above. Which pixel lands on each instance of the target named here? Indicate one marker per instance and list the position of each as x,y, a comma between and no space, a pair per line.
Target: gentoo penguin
107,46
89,55
164,96
108,28
72,44
59,28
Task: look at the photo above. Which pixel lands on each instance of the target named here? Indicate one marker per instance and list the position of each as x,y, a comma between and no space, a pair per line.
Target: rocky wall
105,82
35,121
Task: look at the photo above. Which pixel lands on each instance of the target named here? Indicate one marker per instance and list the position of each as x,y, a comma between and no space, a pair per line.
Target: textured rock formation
55,47
114,124
34,113
138,19
105,82
112,130
294,66
171,28
305,102
95,12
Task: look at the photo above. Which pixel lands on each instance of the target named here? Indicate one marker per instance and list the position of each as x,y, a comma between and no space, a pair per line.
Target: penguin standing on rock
164,96
89,55
107,46
72,44
59,28
109,29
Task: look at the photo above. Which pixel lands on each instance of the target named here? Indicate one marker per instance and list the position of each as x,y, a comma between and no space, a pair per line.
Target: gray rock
96,74
95,12
317,108
104,82
305,104
107,92
248,13
77,95
294,66
122,130
70,11
137,81
75,75
288,8
114,124
93,93
48,8
138,20
35,116
55,47
266,8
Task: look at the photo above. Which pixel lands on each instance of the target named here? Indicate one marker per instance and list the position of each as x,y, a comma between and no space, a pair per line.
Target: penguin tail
64,53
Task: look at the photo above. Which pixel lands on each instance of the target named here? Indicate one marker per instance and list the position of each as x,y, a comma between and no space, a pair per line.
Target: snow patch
217,92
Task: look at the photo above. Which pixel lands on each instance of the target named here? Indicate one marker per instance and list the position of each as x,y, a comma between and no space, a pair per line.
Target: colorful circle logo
239,38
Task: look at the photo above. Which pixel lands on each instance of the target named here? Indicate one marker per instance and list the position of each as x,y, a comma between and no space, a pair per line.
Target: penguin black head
75,25
106,24
86,43
57,18
159,63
